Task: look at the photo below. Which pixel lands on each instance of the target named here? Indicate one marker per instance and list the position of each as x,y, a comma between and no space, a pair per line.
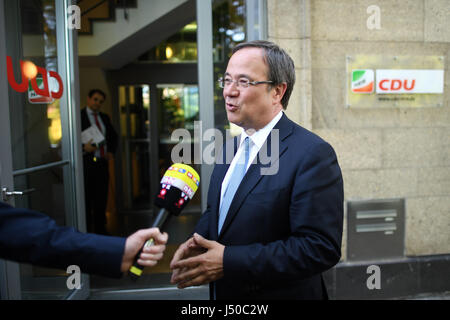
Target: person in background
95,161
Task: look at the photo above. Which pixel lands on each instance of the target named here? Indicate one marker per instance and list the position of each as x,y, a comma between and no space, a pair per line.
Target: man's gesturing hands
196,262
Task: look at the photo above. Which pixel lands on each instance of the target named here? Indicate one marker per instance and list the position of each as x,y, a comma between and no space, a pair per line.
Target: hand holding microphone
178,186
151,255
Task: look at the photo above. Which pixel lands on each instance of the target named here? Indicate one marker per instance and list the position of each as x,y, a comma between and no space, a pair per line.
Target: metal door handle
7,194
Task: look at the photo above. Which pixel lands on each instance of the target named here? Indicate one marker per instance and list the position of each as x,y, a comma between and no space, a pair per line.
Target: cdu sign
41,89
409,81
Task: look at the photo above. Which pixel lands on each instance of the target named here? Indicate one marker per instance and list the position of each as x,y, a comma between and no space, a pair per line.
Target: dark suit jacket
31,237
110,136
281,231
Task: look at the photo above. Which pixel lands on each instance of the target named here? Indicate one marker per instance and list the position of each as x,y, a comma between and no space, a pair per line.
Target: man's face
252,107
95,102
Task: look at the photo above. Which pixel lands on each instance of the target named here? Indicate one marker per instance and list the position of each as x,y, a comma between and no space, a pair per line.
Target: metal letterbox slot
376,227
376,214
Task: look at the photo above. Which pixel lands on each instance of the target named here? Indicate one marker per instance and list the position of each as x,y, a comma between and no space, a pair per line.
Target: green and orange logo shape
363,81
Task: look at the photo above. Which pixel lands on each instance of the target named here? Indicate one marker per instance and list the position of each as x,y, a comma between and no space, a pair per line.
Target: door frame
9,271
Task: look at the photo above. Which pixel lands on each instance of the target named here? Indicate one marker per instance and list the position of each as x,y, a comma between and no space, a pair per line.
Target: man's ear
278,92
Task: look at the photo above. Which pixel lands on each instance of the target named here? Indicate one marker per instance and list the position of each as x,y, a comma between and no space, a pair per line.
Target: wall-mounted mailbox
375,229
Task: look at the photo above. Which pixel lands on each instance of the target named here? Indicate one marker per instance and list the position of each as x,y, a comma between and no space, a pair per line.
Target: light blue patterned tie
233,185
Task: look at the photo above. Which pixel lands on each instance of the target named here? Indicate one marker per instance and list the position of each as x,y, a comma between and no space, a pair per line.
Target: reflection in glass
54,130
229,29
178,109
35,122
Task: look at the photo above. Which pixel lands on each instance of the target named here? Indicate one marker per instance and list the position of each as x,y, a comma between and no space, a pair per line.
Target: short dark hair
94,91
281,66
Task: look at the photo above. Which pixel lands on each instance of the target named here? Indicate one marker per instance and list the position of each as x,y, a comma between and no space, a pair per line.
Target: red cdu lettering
59,93
399,84
382,83
22,87
405,84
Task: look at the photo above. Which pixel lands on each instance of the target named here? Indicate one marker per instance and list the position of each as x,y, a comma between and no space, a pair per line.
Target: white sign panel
394,81
35,98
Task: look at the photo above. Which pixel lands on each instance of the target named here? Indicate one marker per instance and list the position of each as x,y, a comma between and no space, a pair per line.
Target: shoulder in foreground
305,136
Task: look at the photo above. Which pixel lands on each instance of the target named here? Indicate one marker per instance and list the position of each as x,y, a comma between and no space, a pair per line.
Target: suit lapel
220,171
253,175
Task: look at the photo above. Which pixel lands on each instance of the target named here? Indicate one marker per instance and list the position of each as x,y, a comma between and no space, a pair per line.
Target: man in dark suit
95,161
266,235
32,237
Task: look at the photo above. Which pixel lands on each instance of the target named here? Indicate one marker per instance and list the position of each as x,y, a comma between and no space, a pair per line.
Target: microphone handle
161,219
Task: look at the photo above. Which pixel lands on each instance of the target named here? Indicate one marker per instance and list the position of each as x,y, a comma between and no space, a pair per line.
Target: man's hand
150,255
198,261
184,251
89,147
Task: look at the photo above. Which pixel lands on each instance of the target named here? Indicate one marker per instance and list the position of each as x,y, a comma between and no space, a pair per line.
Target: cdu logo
363,81
39,84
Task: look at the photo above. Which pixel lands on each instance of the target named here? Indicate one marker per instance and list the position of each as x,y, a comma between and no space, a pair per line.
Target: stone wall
384,153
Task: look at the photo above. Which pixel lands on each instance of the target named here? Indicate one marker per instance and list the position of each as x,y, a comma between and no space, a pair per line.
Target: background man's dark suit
96,176
281,231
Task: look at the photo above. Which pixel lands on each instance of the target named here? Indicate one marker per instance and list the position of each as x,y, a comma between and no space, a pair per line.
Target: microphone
177,188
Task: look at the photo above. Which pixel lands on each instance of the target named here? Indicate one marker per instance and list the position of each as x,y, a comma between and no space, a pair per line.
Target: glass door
148,115
138,184
39,141
146,127
178,108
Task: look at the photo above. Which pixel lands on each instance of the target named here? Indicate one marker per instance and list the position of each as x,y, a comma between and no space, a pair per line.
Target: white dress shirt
256,141
91,117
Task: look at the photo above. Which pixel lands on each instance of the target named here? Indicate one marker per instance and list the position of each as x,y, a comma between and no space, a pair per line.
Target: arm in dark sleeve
316,218
31,237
